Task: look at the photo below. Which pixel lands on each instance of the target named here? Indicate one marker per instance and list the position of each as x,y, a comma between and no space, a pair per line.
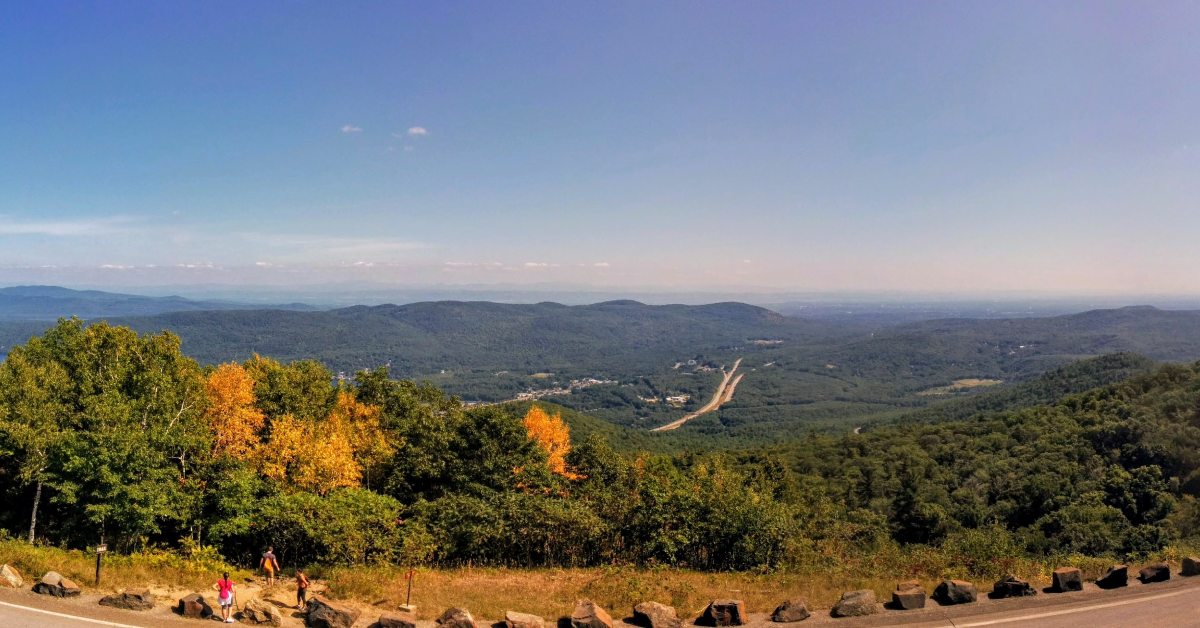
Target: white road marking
66,616
993,622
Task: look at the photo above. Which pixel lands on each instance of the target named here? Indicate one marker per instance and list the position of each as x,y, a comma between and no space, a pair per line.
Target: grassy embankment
489,592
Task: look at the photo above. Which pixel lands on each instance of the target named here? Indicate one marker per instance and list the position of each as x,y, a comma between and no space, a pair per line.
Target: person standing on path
270,565
301,590
225,597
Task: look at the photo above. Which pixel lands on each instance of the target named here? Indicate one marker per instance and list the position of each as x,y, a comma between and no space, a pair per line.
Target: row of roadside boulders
908,595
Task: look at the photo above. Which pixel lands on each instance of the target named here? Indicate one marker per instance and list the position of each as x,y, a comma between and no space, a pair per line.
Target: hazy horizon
967,150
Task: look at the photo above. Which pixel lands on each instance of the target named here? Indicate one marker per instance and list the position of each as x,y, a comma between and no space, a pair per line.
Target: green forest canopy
108,433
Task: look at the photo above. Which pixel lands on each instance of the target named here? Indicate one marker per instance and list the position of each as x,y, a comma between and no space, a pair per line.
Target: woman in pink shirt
225,597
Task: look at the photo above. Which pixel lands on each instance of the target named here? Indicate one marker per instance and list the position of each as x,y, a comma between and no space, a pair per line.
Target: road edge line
1068,611
66,616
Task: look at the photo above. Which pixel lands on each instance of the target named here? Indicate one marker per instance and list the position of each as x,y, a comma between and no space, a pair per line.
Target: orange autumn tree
553,436
231,414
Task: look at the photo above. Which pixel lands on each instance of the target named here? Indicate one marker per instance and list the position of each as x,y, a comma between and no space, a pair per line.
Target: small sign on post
100,551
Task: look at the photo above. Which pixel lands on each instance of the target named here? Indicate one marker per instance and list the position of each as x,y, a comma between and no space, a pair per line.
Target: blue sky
902,146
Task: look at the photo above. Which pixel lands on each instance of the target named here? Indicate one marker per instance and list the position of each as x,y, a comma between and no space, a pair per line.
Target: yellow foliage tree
360,423
553,436
235,422
308,455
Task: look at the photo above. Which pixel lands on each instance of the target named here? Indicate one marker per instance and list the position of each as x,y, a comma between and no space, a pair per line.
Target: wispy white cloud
536,264
601,264
350,128
65,228
418,130
316,247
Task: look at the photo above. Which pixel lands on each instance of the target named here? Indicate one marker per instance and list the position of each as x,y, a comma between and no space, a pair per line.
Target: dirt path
721,397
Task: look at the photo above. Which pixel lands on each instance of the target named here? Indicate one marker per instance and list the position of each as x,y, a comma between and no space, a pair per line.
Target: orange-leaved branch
553,436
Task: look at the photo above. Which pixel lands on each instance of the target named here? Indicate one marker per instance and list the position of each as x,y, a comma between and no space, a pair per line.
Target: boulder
54,584
655,615
323,614
1117,576
396,620
951,592
10,577
513,619
260,613
790,611
856,604
909,595
194,605
1191,566
724,613
588,614
1066,579
140,600
456,618
1010,586
1158,572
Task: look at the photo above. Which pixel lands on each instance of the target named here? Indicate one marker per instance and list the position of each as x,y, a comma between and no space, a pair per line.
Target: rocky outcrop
909,595
1158,572
194,606
54,584
396,620
1191,566
259,613
456,618
1010,586
856,604
140,600
588,614
724,613
1066,579
655,615
323,614
513,619
790,611
951,592
1117,576
10,577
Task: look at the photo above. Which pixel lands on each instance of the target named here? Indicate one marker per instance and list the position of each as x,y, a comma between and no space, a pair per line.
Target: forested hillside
107,434
643,366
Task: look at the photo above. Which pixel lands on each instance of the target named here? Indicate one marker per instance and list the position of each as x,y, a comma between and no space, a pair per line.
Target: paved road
722,396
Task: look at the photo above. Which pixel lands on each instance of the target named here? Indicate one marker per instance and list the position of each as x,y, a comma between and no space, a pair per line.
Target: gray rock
396,620
791,610
1117,576
259,613
195,606
1066,579
909,595
856,604
588,614
655,615
10,577
1191,566
951,592
1158,572
513,619
724,613
1010,586
54,584
323,614
456,618
140,600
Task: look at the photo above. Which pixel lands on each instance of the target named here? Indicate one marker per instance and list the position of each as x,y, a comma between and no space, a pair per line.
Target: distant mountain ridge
48,303
419,338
